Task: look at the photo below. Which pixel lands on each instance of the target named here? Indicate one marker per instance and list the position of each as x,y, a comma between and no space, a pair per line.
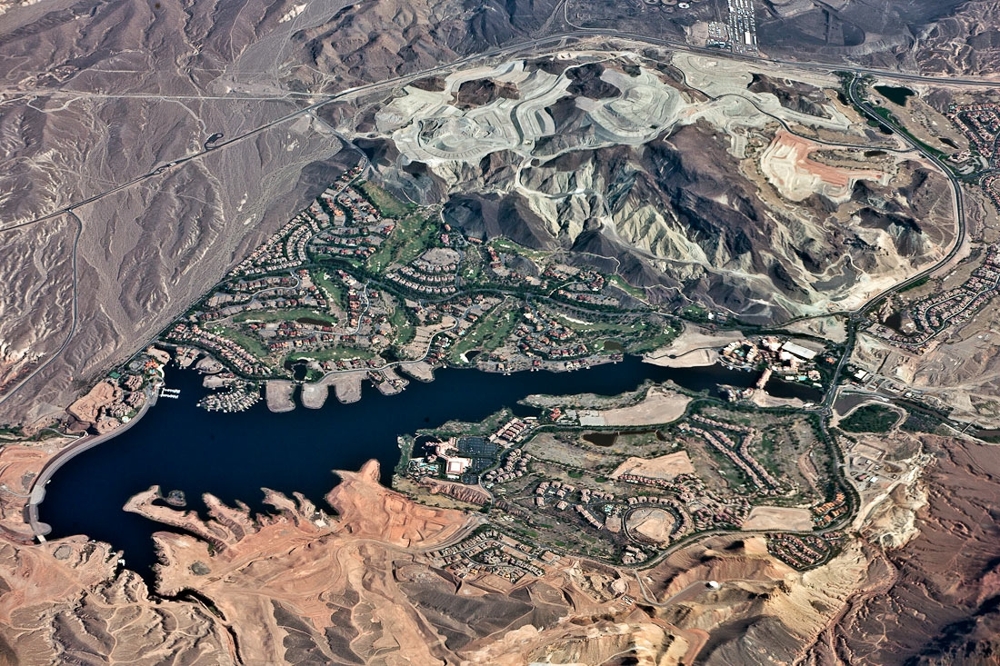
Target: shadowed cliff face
681,213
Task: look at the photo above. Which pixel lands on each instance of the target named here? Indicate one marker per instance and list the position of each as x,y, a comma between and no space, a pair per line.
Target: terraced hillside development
295,198
431,126
788,166
678,174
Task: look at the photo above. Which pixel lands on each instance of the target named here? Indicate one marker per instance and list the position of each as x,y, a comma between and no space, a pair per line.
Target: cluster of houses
600,300
559,492
633,555
386,381
356,234
601,509
707,510
241,396
285,249
581,286
513,431
260,284
347,364
684,523
800,551
738,454
231,352
127,402
991,185
928,317
466,311
515,466
288,335
492,552
982,125
541,335
281,293
117,398
431,284
826,513
508,268
714,513
339,222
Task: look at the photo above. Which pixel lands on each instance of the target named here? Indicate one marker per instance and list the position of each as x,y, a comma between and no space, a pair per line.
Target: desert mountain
707,200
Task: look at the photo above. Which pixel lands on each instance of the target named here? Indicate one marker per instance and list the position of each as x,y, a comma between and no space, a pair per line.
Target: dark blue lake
181,447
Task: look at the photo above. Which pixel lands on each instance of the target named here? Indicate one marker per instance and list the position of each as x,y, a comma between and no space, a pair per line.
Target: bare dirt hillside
101,94
937,599
104,94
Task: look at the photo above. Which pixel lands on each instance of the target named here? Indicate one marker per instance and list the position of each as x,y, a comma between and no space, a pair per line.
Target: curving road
37,495
856,316
557,39
575,33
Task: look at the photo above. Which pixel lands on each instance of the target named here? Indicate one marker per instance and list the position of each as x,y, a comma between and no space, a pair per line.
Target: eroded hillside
759,196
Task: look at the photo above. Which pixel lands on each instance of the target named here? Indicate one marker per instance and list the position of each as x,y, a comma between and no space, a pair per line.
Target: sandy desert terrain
148,147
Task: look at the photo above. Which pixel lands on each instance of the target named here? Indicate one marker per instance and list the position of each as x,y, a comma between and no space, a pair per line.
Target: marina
178,445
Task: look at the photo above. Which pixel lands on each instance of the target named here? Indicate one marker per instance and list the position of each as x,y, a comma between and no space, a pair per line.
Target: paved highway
551,40
855,317
533,44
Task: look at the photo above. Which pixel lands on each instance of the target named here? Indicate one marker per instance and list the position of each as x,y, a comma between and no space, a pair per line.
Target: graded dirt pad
19,466
421,342
779,518
421,370
765,399
86,408
652,525
280,395
787,165
659,406
830,328
692,348
314,395
665,467
346,385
